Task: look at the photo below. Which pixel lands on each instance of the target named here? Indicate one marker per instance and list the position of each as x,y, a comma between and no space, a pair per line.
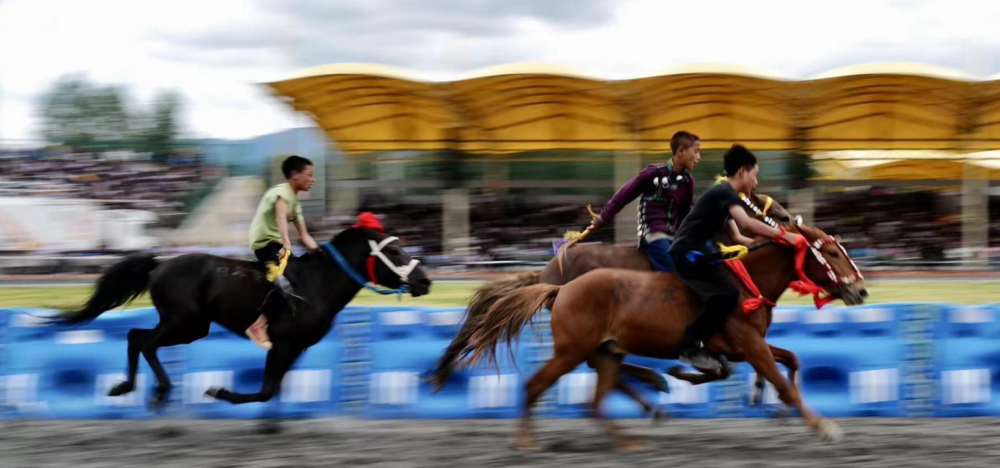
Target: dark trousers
274,300
718,297
268,253
657,251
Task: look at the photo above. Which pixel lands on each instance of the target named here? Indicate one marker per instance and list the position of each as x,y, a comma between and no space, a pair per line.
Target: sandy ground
484,443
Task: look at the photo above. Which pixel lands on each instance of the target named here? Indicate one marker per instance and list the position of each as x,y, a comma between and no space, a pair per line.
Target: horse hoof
121,389
270,428
829,431
525,443
659,417
215,392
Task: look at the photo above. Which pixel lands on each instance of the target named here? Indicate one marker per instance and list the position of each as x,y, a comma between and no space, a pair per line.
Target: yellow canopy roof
905,165
534,107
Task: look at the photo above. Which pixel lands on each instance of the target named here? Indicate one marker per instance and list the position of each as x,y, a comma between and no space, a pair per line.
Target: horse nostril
863,293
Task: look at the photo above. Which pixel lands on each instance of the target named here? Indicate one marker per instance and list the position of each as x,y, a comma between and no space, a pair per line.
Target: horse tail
507,317
479,305
119,285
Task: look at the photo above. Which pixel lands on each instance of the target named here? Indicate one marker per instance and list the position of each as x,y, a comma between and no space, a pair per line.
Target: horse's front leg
758,354
279,361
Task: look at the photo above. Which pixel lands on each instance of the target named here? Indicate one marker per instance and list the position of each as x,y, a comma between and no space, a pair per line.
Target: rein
369,285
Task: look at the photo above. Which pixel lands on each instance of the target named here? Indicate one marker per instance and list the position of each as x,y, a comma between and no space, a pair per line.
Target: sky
215,53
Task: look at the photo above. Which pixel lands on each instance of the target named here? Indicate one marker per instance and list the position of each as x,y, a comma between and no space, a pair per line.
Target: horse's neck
331,288
772,270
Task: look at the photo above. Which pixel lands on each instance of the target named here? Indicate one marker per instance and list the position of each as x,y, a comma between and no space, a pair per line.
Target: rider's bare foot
258,334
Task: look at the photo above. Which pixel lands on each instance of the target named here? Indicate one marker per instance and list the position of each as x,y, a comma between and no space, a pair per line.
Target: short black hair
293,164
682,139
737,157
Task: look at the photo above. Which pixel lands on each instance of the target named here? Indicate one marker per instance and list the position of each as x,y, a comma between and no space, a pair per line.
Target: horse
587,257
606,314
193,290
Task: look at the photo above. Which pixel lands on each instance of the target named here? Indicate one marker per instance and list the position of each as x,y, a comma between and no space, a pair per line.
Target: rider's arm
281,219
734,232
626,194
304,236
759,228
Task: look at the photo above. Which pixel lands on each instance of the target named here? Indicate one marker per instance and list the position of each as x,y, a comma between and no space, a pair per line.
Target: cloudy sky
214,51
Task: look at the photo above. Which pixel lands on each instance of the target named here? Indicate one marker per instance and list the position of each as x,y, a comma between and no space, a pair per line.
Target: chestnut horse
586,257
608,313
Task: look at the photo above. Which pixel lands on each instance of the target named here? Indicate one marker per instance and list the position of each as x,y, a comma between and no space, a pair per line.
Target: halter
837,281
372,285
762,214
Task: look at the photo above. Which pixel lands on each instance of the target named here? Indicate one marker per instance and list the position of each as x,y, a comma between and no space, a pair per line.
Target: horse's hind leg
560,365
759,356
607,366
279,361
167,334
136,339
648,407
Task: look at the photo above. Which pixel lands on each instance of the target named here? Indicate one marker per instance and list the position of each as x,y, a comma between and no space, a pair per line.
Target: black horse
192,291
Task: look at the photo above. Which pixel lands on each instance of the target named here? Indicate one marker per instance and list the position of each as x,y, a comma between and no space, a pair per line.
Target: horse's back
583,258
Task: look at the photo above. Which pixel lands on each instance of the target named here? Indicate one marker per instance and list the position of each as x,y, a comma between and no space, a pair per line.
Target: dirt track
346,442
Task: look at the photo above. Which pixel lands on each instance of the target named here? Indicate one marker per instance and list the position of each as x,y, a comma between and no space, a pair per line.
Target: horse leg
164,335
560,365
781,356
136,338
607,366
279,361
695,378
647,375
759,356
647,407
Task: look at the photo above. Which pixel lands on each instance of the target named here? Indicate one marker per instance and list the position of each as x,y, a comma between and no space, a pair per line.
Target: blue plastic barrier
878,360
66,372
968,361
406,342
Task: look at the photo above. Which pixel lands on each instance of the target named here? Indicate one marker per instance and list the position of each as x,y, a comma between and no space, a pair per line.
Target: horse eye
835,254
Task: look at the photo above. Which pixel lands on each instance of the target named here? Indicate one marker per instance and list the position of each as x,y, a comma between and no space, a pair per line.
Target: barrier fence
904,359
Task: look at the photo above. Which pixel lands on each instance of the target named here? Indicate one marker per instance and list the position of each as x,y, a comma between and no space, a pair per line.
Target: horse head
830,267
380,258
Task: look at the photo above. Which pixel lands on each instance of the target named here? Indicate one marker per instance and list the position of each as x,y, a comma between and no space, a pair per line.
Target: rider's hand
595,223
286,247
790,237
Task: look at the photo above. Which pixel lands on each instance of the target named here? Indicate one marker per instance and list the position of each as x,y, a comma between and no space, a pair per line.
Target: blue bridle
337,257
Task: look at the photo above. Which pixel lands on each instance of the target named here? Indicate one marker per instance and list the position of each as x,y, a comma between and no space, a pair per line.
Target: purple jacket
667,197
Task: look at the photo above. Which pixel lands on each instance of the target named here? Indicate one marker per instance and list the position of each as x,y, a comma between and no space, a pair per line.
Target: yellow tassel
767,205
571,235
720,179
276,270
732,252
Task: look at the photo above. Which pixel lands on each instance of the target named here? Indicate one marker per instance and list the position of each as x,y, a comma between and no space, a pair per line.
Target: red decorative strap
804,285
371,271
749,305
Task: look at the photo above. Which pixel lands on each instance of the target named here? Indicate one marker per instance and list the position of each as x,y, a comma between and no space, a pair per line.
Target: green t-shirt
264,228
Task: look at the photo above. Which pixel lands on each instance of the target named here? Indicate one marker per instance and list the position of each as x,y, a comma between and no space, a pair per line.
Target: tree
77,113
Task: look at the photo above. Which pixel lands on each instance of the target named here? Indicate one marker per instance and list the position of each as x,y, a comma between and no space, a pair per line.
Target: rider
667,196
269,232
712,212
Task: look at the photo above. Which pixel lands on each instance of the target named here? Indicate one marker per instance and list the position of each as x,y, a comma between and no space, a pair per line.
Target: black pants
268,253
718,296
274,300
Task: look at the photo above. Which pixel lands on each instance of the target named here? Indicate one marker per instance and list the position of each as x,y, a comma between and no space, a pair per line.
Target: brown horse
608,313
587,257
